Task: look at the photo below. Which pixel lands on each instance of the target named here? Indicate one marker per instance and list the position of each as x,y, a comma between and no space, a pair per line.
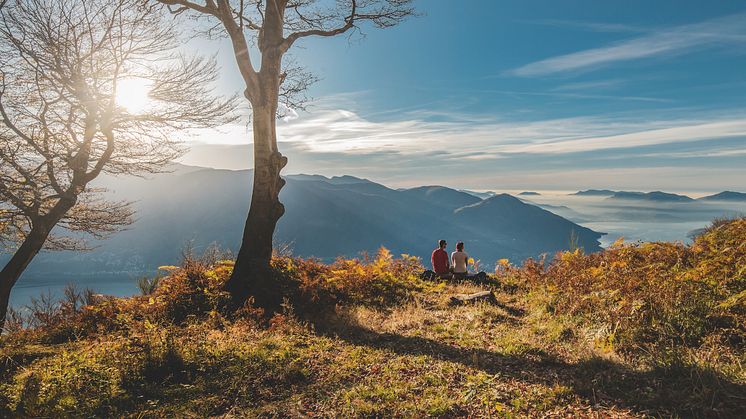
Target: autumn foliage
194,291
651,294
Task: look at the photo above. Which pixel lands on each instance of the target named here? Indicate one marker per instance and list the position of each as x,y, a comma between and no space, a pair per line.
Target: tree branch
240,49
209,8
349,24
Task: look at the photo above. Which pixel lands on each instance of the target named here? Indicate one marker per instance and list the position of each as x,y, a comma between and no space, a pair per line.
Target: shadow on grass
513,311
681,390
12,360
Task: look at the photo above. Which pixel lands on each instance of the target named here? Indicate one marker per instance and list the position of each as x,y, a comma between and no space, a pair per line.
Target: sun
133,94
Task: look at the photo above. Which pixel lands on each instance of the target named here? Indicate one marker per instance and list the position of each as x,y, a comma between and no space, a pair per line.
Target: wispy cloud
689,131
590,85
677,40
590,26
557,93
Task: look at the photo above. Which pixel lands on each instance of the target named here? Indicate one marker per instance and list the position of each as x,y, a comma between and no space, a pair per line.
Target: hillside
442,196
324,218
481,195
595,192
522,225
640,330
656,196
725,196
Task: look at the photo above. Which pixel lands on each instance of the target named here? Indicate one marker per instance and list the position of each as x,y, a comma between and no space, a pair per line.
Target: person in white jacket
460,260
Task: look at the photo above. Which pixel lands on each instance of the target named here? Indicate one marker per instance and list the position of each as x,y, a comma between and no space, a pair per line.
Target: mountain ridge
725,196
650,196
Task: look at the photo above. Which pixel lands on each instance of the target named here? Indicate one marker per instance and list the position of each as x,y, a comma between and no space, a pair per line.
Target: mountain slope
595,192
521,226
725,196
656,196
442,196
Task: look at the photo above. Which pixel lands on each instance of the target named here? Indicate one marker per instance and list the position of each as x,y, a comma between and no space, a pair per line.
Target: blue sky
544,95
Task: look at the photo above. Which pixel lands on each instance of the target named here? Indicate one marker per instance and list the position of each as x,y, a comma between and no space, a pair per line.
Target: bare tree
62,63
271,28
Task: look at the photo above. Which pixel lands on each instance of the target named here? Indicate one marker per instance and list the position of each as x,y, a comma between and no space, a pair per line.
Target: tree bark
30,247
487,296
33,243
252,273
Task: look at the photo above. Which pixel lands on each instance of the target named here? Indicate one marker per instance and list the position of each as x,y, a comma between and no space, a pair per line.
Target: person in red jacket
439,259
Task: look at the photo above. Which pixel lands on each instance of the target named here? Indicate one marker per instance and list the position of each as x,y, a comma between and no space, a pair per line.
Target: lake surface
32,287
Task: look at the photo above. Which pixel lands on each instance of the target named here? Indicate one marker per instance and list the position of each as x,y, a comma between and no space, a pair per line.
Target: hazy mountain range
325,218
661,196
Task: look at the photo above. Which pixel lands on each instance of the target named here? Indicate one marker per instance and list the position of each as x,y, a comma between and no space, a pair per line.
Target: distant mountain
525,226
442,196
595,192
334,180
563,211
529,193
482,195
725,196
325,218
656,196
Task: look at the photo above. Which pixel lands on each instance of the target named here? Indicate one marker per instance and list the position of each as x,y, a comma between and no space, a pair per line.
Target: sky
519,95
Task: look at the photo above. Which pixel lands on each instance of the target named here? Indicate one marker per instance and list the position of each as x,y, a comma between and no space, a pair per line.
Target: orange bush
652,293
381,280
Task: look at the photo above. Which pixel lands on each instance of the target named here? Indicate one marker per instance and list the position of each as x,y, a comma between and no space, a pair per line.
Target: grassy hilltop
638,329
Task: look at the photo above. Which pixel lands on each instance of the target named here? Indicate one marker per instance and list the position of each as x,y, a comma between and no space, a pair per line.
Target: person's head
442,244
460,246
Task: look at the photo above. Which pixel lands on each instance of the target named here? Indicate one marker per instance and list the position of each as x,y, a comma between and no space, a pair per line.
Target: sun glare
132,94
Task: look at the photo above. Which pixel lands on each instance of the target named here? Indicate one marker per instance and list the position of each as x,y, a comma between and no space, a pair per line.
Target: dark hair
460,246
441,243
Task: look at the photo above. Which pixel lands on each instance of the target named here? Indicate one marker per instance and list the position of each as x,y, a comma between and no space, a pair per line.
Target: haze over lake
636,220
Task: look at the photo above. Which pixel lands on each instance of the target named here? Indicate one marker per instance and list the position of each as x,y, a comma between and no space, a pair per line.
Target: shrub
380,281
719,260
650,293
147,285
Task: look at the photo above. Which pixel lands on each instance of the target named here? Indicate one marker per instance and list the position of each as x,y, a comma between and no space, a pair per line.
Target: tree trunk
487,296
17,264
252,274
34,242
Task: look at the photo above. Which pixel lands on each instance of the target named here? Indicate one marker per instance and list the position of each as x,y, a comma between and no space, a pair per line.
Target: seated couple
456,266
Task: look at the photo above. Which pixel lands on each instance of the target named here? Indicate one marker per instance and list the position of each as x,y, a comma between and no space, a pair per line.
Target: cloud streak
345,132
589,26
672,41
